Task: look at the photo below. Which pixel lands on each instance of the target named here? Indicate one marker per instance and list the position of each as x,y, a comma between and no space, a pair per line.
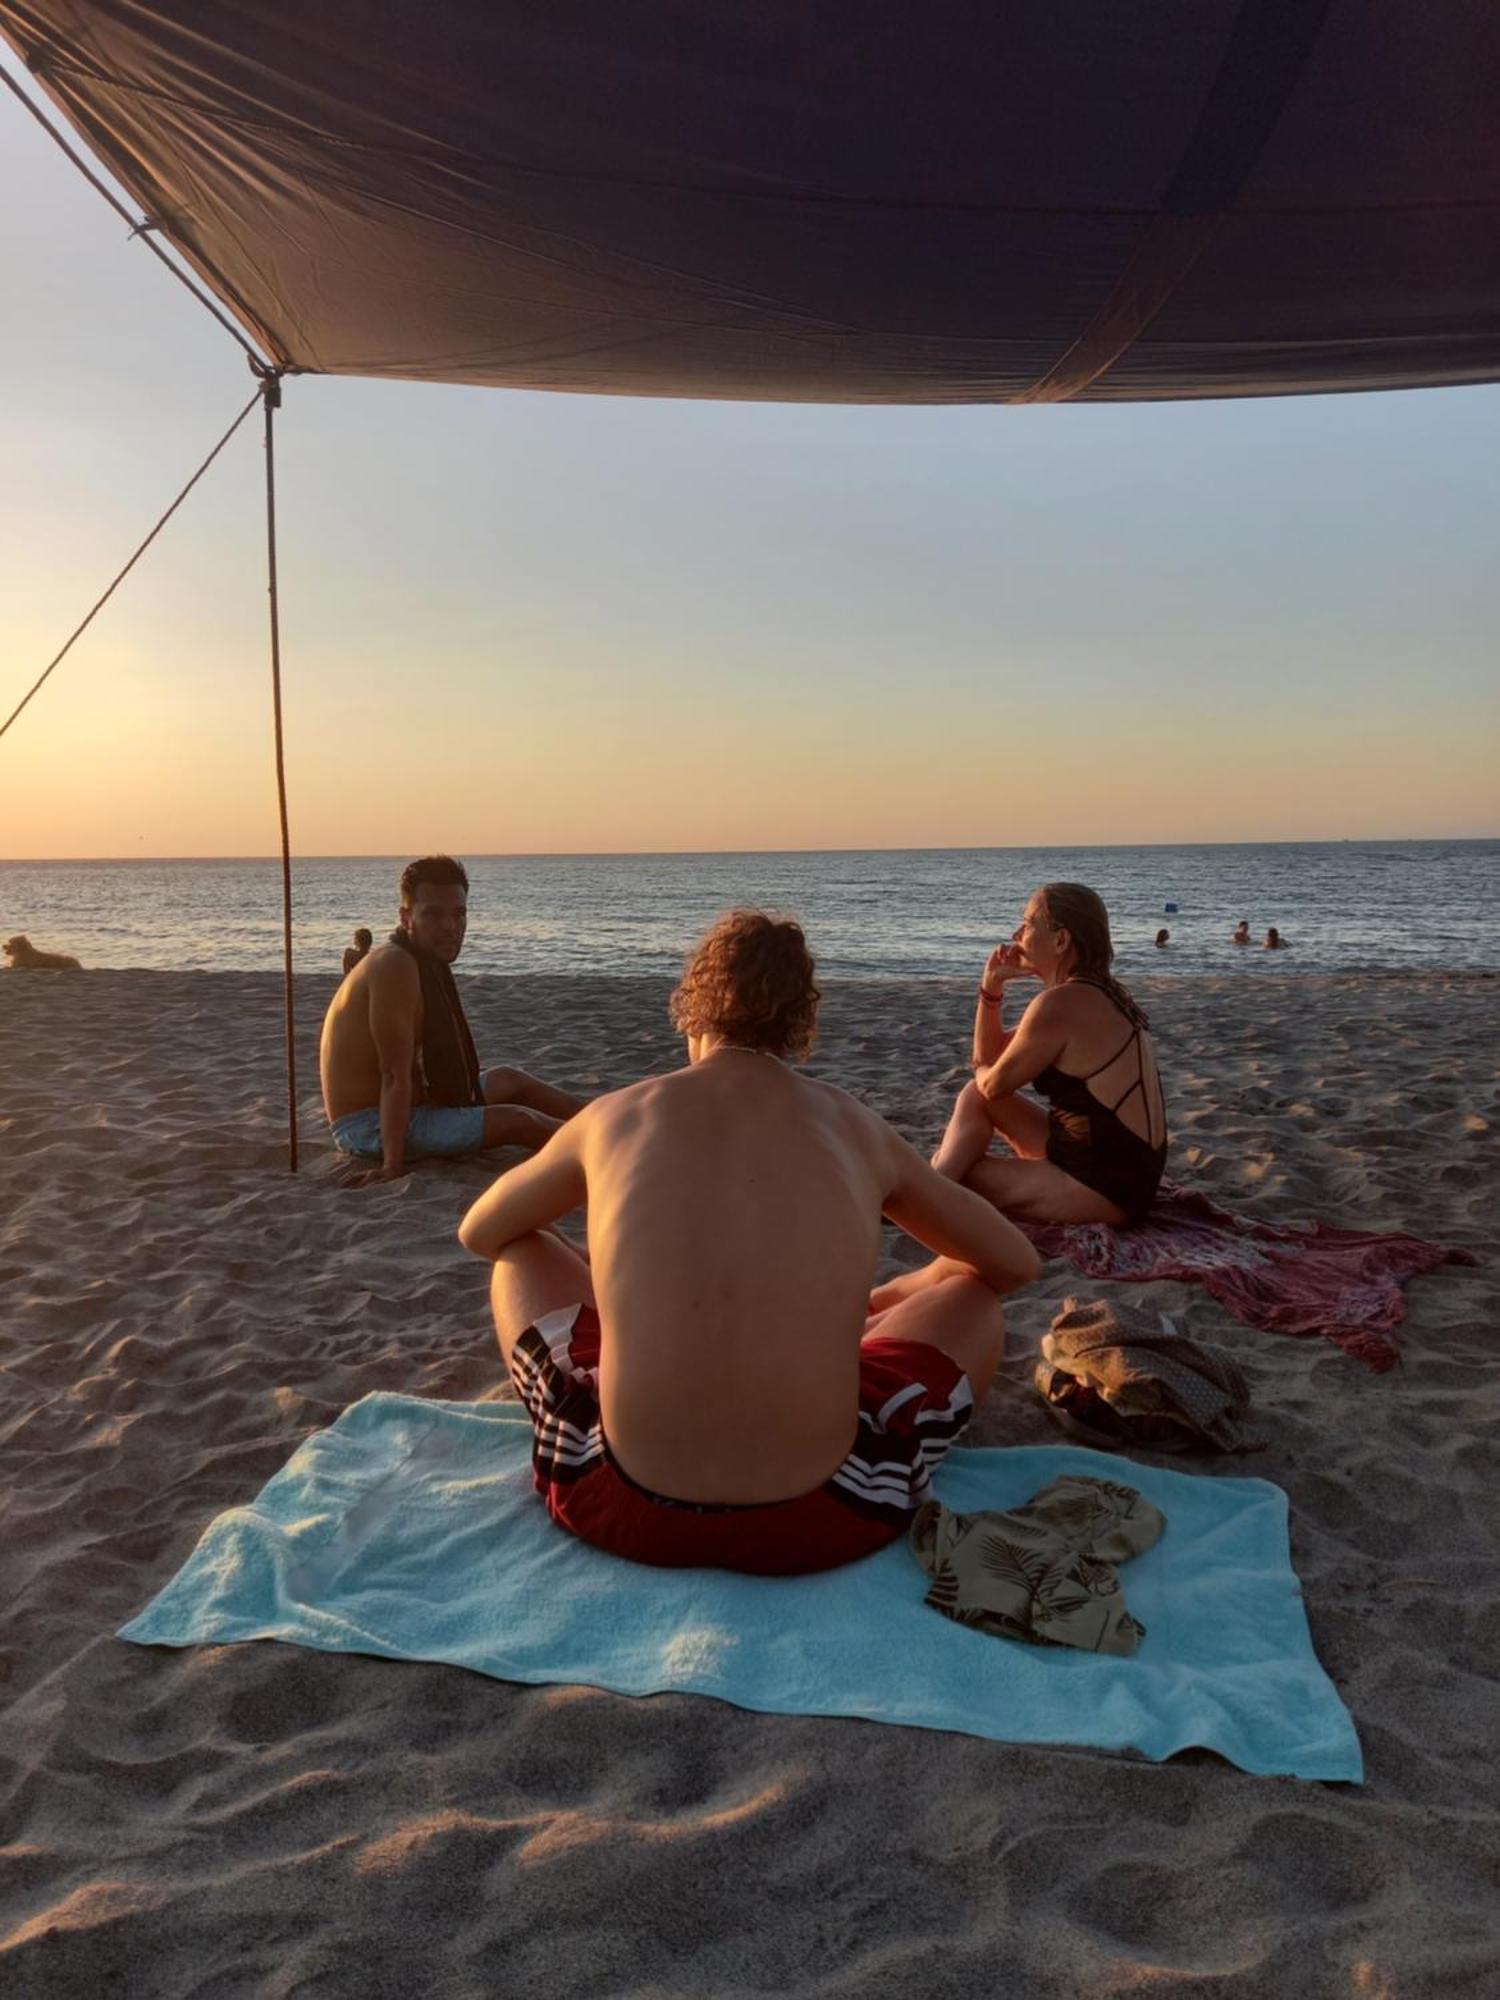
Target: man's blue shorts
434,1131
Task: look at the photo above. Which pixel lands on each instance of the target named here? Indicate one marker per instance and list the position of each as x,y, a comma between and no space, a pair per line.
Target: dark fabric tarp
875,202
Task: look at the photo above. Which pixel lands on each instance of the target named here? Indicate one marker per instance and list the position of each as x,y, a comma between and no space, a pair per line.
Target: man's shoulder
389,965
834,1095
631,1099
613,1121
861,1121
387,981
862,1136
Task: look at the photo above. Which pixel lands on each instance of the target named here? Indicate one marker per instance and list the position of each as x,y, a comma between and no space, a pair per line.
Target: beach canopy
757,199
1045,201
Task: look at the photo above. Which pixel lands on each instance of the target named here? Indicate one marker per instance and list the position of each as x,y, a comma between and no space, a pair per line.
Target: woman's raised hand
1005,962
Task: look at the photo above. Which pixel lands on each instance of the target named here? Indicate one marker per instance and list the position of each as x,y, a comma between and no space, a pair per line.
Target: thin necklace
740,1049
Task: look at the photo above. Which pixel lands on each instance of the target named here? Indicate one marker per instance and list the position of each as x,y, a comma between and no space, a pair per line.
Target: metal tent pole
270,380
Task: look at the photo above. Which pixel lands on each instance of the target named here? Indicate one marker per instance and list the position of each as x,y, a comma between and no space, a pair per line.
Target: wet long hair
1078,911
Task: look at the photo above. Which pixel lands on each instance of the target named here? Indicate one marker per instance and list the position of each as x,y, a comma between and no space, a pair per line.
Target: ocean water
927,913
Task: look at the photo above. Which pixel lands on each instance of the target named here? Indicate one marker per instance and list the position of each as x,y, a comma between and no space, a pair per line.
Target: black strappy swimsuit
1089,1140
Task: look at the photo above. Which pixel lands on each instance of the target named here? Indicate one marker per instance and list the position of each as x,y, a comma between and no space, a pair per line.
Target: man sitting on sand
715,1384
401,1080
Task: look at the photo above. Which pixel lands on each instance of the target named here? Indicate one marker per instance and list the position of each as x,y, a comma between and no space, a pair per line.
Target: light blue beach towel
409,1529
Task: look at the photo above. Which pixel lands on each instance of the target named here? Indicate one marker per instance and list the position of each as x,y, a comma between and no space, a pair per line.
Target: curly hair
751,982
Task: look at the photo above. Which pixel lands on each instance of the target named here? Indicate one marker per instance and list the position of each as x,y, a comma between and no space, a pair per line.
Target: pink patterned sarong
1286,1277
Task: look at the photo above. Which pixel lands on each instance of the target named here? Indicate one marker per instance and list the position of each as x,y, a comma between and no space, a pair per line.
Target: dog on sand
24,957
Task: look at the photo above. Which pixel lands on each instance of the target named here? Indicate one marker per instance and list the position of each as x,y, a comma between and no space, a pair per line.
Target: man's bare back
734,1222
734,1229
348,1059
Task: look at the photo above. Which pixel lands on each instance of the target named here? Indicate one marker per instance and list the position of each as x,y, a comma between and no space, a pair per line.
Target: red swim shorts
914,1402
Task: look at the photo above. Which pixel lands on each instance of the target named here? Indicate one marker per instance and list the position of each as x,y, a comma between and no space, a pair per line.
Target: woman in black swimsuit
1096,1154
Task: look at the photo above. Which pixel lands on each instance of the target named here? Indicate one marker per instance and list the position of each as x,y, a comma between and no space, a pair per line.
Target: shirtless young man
401,1081
716,1384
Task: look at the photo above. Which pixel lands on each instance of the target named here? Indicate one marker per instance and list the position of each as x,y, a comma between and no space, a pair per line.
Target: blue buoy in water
1170,909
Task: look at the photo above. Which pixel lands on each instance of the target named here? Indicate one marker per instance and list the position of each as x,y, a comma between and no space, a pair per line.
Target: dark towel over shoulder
447,1061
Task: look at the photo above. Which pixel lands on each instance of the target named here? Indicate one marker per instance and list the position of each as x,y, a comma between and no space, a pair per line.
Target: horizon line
681,853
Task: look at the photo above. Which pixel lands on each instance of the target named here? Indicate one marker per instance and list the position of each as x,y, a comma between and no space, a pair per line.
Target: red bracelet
993,998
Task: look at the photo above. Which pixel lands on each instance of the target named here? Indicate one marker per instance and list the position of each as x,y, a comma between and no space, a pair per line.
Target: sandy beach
179,1314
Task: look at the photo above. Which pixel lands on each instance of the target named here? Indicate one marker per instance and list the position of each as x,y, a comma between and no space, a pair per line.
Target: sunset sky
522,623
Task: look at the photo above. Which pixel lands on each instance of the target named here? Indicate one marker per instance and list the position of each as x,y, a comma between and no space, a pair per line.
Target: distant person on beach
401,1079
1241,932
24,957
360,948
1096,1154
695,1380
1163,939
1274,940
